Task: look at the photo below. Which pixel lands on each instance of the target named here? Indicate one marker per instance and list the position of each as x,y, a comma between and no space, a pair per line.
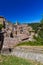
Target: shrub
1,26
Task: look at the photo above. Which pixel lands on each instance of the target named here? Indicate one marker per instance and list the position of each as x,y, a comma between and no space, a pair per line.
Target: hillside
38,27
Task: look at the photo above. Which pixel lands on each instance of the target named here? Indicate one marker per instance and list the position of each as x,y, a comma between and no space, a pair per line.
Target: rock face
10,42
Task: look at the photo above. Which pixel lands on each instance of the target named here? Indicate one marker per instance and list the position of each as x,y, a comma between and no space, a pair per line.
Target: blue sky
25,11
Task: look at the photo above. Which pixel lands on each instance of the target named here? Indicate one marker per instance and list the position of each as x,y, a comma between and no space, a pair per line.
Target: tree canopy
1,26
41,20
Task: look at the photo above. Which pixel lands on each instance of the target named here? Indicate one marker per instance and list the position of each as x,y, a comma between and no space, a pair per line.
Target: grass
38,42
12,60
31,43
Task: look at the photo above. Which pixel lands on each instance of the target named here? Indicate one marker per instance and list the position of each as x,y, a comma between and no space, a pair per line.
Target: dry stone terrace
30,52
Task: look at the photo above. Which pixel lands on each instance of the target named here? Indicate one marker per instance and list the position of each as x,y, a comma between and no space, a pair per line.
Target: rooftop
1,17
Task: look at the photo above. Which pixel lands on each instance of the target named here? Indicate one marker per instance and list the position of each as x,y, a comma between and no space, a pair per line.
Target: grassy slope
38,42
12,60
29,43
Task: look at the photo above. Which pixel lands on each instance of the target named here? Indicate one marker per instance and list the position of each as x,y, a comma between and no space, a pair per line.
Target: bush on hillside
1,26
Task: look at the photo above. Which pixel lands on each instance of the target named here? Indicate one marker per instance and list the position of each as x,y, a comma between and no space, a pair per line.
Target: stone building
2,21
21,31
7,26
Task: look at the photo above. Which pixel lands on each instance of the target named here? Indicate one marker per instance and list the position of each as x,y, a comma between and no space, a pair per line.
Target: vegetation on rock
1,26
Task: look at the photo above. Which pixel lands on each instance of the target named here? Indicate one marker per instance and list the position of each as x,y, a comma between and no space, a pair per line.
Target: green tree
41,20
1,26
